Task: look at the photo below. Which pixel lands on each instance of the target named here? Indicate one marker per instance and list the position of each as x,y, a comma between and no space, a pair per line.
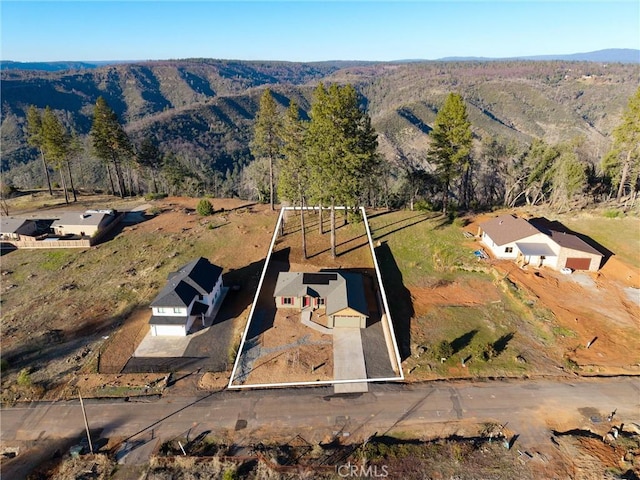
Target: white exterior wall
499,251
168,330
170,311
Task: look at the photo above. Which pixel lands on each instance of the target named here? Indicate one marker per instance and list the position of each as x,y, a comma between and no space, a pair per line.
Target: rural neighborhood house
17,229
513,238
85,224
190,294
340,294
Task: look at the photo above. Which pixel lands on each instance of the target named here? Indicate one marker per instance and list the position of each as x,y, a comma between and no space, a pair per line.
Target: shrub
443,350
24,378
155,196
155,211
204,207
613,214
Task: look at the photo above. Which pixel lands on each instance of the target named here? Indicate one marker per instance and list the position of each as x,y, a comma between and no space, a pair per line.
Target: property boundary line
389,324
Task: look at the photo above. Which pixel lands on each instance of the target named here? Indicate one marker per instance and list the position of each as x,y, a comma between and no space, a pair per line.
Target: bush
24,378
613,214
443,350
155,196
204,207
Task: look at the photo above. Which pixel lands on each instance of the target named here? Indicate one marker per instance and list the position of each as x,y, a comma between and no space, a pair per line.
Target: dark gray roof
194,279
339,289
508,228
166,320
12,224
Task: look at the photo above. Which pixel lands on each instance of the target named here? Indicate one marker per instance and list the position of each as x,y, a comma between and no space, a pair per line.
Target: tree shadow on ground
501,344
463,341
401,307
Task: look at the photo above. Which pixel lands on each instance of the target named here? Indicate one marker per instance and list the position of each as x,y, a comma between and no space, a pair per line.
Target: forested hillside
201,112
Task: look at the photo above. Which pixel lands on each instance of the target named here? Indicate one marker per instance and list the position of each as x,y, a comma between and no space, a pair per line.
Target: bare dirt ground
594,308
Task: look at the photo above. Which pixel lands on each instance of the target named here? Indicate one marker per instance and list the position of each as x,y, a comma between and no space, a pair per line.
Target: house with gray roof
191,293
84,224
12,228
513,238
340,294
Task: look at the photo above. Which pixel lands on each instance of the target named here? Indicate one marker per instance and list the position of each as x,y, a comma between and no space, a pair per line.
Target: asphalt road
317,412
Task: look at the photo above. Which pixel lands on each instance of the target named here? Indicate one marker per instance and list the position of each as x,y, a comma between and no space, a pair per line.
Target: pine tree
56,143
266,139
450,147
342,149
34,138
622,162
293,182
110,142
149,157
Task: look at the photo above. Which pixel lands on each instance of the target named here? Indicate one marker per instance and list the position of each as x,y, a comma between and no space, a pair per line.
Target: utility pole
86,424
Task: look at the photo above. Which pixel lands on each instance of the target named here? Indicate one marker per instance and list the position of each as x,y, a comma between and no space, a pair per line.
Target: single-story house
501,234
17,229
340,294
513,238
85,224
190,293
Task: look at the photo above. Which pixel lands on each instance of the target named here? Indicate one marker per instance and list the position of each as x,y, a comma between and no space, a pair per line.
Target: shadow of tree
399,298
501,344
463,341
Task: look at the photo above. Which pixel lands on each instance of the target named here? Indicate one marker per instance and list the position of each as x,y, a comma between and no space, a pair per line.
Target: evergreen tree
110,142
450,147
622,162
293,182
149,157
34,138
56,143
342,149
266,138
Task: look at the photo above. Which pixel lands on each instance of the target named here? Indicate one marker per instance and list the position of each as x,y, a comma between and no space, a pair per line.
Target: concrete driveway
348,360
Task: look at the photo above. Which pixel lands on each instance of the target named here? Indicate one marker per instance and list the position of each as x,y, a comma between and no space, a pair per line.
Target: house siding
500,251
566,253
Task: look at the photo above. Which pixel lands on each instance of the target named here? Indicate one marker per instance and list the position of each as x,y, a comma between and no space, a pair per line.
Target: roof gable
192,280
507,229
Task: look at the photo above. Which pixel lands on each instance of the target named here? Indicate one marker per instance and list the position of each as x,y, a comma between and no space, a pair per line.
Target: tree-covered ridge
200,116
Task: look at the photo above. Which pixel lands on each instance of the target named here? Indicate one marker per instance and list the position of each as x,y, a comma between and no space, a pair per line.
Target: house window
508,250
162,310
177,310
287,301
320,302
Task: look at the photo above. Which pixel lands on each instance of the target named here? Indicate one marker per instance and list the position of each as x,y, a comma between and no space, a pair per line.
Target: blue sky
311,31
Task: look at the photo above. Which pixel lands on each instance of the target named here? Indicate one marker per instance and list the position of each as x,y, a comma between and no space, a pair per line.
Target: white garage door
168,330
346,321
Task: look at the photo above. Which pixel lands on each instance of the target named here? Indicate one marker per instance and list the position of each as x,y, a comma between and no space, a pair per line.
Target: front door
306,302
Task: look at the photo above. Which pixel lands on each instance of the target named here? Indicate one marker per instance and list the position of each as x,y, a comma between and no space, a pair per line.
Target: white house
340,294
85,224
512,238
190,294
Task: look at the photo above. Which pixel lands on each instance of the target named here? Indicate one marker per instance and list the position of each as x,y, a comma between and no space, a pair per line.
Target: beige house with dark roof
340,294
513,238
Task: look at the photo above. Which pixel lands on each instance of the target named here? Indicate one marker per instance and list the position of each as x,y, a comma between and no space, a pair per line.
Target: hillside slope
205,108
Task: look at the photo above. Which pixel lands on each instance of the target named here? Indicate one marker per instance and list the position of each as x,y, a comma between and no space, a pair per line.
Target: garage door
168,330
346,321
578,263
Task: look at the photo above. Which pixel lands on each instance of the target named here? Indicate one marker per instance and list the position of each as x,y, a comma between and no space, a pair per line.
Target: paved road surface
317,412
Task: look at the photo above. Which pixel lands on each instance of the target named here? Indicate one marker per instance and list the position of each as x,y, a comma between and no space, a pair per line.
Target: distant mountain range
203,110
612,55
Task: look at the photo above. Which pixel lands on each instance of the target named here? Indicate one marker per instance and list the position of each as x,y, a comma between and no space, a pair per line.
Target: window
508,250
162,310
177,310
287,301
320,302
